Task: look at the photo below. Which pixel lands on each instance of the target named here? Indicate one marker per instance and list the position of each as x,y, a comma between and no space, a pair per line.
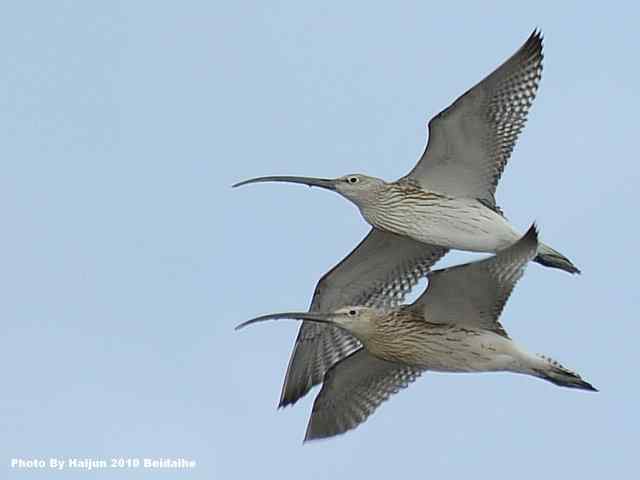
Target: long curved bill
327,183
311,316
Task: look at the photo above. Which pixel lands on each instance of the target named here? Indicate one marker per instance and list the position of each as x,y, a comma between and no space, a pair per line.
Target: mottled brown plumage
452,327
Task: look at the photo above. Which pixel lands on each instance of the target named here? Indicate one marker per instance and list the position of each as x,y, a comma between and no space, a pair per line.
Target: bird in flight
452,327
447,200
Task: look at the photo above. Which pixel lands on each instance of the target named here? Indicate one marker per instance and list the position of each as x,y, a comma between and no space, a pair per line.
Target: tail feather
563,377
549,257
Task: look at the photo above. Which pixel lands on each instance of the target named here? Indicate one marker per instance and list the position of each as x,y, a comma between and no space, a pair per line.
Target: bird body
405,208
404,336
437,219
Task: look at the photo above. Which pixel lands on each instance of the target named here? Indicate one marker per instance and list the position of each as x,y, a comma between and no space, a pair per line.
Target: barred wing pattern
471,141
379,273
475,294
353,389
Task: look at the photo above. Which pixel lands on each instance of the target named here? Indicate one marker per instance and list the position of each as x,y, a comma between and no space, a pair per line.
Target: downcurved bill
311,316
327,183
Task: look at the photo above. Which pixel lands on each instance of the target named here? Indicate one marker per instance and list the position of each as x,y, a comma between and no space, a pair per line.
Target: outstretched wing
474,294
352,391
471,141
379,272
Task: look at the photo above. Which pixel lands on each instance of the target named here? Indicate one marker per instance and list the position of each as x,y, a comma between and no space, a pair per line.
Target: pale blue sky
127,259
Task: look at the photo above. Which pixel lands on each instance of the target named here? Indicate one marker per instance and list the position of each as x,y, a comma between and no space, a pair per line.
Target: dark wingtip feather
527,243
532,233
290,395
535,40
534,45
557,262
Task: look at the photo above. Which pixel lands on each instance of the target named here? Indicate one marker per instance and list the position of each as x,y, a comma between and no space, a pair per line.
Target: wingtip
286,400
309,435
536,37
312,435
532,234
537,34
534,46
526,246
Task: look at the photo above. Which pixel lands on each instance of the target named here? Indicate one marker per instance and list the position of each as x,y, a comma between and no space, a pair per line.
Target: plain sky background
126,258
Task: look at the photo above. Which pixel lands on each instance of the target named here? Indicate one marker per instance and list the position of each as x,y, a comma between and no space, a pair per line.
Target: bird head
358,187
357,320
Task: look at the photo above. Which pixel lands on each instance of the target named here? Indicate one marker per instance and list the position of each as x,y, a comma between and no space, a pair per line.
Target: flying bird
448,200
452,327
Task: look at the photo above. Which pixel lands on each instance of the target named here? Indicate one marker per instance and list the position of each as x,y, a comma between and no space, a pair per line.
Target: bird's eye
352,312
352,180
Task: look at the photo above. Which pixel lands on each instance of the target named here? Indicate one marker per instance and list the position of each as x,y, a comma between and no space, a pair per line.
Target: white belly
458,223
482,352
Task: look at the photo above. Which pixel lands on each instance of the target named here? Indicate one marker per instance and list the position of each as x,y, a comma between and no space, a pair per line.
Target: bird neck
395,335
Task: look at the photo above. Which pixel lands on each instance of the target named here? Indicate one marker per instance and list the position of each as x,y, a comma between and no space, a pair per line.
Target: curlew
452,327
448,200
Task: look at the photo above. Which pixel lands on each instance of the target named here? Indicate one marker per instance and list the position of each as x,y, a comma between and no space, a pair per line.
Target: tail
549,257
555,373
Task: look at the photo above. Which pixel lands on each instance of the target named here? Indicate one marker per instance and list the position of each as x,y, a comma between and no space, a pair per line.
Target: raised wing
474,294
352,391
471,141
379,272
